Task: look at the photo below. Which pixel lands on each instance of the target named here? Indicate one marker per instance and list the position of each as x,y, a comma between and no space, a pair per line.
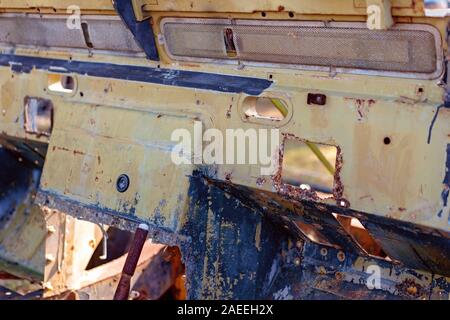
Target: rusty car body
81,107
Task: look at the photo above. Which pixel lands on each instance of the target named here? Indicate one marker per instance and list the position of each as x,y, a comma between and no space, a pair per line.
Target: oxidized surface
391,133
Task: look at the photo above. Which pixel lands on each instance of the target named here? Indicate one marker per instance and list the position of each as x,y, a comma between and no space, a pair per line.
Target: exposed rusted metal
123,287
232,232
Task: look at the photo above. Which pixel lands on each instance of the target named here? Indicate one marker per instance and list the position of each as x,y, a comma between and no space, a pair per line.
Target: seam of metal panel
105,216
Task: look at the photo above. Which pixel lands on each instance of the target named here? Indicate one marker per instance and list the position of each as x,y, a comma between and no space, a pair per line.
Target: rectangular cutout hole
230,47
38,116
309,166
61,83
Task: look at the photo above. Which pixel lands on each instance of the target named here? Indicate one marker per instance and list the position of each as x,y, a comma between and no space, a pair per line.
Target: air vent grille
351,47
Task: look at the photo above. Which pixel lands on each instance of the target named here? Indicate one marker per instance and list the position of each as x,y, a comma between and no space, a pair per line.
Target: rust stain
287,190
75,152
362,106
229,111
410,288
62,149
260,181
338,190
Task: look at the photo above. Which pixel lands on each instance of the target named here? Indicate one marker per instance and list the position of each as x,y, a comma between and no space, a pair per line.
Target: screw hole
291,14
81,94
387,140
263,14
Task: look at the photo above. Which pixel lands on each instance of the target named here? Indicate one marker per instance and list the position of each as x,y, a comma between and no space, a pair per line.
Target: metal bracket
141,30
104,255
138,6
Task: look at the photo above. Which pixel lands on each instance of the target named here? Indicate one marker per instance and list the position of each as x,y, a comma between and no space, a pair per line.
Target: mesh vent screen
46,31
406,51
396,50
196,40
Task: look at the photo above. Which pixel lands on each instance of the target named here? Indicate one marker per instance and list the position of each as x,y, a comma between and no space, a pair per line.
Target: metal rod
123,288
313,147
104,255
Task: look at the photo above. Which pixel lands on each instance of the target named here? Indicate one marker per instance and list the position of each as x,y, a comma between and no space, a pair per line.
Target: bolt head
123,182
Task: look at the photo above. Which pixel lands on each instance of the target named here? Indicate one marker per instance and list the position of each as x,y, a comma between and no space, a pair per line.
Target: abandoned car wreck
226,150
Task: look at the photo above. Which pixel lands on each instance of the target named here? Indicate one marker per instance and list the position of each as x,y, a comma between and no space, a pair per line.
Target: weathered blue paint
430,129
323,276
446,182
230,257
306,212
234,249
415,246
141,30
231,245
168,77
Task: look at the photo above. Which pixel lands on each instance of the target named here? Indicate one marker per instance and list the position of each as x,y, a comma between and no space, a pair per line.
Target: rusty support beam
123,288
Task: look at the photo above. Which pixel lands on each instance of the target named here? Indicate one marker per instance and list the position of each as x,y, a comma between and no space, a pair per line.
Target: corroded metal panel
106,157
22,225
111,142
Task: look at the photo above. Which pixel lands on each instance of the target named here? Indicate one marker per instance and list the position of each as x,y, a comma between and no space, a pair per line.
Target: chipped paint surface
444,211
22,225
235,228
